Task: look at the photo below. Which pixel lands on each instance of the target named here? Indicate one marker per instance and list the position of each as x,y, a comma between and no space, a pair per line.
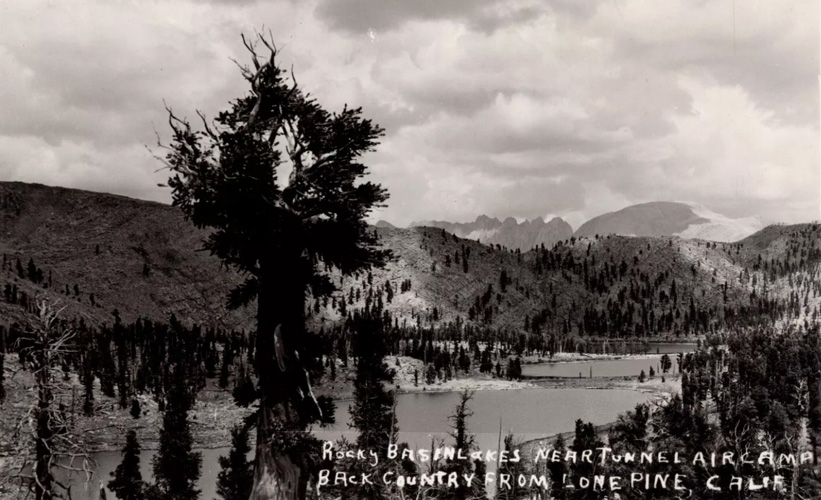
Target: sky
520,108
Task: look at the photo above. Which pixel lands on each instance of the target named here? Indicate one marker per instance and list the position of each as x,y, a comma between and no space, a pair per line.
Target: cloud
130,171
730,148
362,16
516,108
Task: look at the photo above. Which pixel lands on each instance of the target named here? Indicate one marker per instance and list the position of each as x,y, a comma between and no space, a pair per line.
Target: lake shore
215,413
574,357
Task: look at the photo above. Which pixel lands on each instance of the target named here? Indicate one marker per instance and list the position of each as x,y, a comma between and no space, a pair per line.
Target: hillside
142,259
441,287
138,257
785,258
612,286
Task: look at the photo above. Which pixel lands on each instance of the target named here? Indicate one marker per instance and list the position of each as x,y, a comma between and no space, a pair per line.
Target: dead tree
45,346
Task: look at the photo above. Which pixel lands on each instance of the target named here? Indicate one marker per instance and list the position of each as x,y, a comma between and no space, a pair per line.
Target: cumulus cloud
518,108
360,16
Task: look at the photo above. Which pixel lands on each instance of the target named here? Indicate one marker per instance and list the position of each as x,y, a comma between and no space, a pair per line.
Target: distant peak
485,218
669,218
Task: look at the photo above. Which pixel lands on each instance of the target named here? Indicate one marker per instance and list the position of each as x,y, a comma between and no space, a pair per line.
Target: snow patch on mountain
720,227
482,235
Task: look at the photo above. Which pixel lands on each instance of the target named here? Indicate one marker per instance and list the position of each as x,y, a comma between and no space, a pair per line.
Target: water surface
528,413
623,367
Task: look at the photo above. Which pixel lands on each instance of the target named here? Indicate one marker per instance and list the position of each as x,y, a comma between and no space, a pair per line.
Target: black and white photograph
410,250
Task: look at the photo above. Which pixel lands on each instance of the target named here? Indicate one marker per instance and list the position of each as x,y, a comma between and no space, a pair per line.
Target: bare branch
270,45
208,130
251,49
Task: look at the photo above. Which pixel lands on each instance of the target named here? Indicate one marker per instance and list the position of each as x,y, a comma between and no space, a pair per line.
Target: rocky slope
139,257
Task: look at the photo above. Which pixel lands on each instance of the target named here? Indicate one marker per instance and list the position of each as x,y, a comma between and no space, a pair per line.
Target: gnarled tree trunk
278,475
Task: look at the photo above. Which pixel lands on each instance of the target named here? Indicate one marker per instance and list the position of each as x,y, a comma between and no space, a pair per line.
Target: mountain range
660,218
97,253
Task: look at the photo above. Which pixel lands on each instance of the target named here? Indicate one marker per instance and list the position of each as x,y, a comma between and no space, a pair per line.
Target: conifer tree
666,364
372,412
135,408
464,442
176,467
31,270
277,181
128,481
88,386
479,489
2,364
557,470
513,470
585,438
236,478
224,367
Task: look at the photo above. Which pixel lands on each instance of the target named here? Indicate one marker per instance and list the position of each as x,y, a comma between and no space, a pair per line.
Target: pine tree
88,386
176,467
504,280
557,470
235,480
2,363
479,489
465,442
666,364
128,481
513,470
514,368
585,438
372,412
277,180
2,377
31,270
106,367
430,374
224,367
135,408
